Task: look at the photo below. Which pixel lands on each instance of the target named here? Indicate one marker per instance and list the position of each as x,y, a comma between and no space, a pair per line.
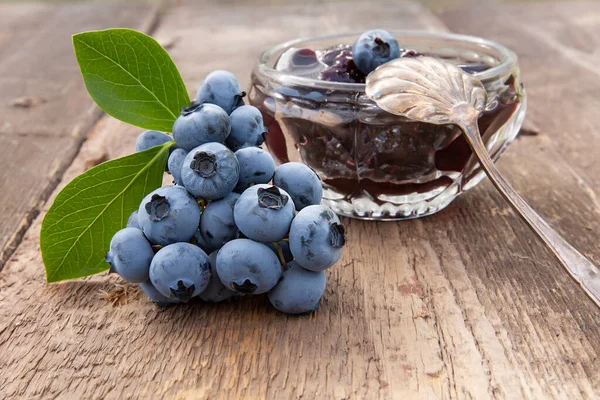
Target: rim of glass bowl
508,59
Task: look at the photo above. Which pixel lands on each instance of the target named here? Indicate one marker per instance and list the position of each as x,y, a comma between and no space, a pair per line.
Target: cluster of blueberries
222,230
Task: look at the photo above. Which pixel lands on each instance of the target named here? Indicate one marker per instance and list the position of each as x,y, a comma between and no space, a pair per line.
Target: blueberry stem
240,95
202,203
281,257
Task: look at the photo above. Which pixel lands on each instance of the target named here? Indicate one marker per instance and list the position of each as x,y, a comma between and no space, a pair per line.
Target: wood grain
556,43
463,304
45,111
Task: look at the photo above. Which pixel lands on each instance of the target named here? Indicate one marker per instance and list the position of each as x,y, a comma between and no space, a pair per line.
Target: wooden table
464,304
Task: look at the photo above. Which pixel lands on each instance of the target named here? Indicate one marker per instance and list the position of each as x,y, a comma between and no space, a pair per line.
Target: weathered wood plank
246,358
557,46
19,196
45,110
471,269
36,60
463,304
556,171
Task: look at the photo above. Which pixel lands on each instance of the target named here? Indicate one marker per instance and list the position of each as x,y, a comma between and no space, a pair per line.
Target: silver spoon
429,90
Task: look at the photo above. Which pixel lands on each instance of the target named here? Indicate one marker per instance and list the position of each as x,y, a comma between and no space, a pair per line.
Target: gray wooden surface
45,111
463,304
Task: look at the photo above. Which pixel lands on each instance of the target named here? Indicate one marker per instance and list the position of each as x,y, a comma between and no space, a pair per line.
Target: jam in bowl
376,165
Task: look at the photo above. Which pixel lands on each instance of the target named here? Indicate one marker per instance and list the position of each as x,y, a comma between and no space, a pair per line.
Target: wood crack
491,387
443,352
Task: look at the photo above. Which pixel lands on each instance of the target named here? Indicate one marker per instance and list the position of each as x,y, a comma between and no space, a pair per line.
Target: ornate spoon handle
429,90
580,268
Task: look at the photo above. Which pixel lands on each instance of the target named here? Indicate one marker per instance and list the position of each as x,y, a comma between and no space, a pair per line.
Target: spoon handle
580,268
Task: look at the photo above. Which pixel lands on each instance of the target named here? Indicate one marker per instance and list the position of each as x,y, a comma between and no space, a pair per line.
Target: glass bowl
375,165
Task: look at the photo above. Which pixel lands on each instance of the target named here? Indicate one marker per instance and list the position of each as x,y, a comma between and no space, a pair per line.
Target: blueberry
374,48
264,213
247,128
199,124
298,291
216,291
154,295
130,255
248,267
316,238
217,226
221,88
301,182
210,171
168,215
150,139
132,221
180,271
256,166
175,163
285,250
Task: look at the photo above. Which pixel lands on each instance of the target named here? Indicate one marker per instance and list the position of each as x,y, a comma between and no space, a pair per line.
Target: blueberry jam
342,69
355,147
334,64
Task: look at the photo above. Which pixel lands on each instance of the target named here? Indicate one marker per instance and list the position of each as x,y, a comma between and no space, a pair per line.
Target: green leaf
77,230
131,77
